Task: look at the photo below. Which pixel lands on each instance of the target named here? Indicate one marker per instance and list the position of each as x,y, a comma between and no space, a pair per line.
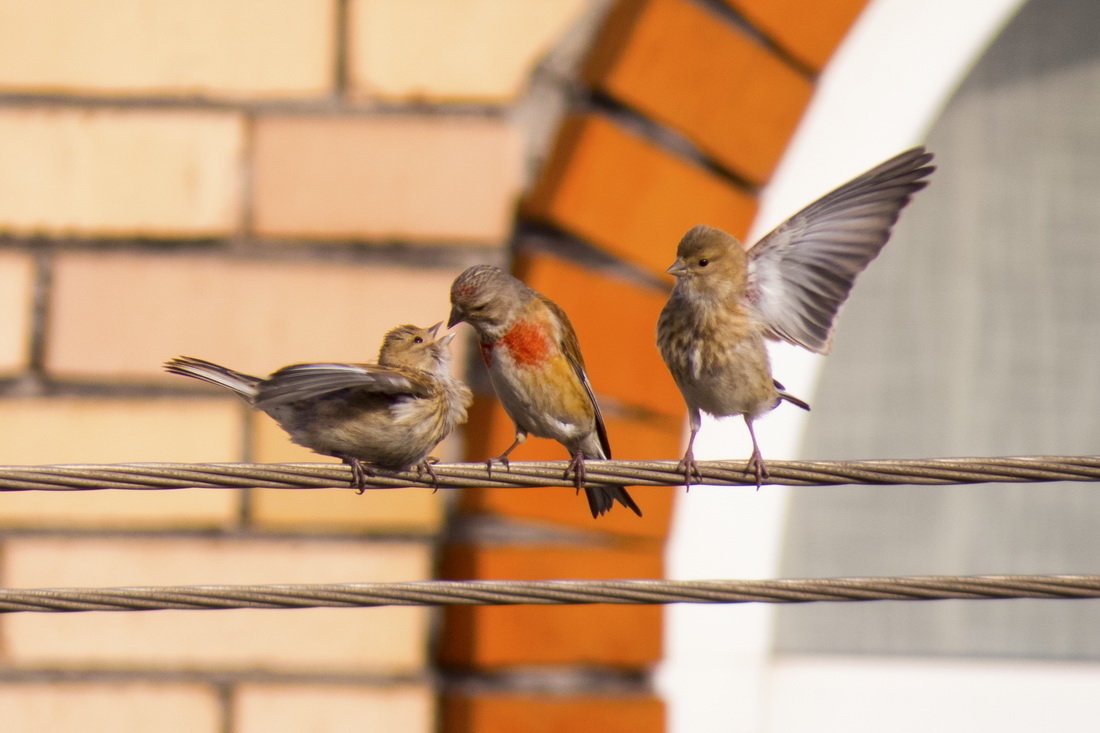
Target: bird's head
487,298
413,347
707,255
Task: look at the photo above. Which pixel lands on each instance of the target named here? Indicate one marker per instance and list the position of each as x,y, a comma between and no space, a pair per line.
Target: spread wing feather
802,272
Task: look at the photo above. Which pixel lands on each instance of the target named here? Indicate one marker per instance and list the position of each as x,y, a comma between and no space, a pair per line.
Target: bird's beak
446,339
456,317
679,267
434,329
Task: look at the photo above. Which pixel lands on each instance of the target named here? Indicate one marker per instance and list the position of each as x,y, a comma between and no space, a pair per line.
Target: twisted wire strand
528,474
549,592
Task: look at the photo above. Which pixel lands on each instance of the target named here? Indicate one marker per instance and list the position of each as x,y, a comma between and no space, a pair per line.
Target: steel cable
549,592
148,476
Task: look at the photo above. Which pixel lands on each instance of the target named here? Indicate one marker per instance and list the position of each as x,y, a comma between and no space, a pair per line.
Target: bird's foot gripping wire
426,466
576,468
359,473
690,469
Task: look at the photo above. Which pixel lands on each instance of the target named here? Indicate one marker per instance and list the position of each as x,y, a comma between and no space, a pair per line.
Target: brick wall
256,182
260,182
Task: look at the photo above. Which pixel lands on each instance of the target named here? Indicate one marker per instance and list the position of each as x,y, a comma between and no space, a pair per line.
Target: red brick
809,30
532,713
628,196
692,70
626,636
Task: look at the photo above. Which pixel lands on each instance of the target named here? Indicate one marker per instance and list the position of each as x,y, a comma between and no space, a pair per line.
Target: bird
537,371
388,415
727,301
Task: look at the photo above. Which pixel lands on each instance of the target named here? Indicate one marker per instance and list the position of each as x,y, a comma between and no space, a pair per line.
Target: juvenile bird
788,286
387,415
537,371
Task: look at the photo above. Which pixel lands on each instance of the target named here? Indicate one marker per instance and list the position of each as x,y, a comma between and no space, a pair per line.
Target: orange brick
808,30
399,510
83,430
616,323
609,635
437,178
120,707
492,431
690,69
333,709
378,640
247,48
550,714
16,299
479,50
101,172
254,316
629,197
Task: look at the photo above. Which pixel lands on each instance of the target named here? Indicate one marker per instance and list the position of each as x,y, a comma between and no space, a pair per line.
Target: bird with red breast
789,286
536,369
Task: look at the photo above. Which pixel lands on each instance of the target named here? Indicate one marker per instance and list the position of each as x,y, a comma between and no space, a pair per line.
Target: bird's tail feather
602,497
207,371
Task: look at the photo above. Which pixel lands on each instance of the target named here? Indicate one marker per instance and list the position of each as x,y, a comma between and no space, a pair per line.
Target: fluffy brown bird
535,365
387,415
788,286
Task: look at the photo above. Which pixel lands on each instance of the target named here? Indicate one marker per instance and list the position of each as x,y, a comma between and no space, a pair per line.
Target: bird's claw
576,467
757,468
503,459
425,466
689,468
359,474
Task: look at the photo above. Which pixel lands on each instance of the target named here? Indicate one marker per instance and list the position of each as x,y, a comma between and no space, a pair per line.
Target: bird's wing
801,272
572,350
308,381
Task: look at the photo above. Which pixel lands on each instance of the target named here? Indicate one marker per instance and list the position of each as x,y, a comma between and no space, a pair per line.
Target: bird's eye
704,262
418,340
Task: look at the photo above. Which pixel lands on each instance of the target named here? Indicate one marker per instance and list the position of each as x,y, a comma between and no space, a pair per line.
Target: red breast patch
527,343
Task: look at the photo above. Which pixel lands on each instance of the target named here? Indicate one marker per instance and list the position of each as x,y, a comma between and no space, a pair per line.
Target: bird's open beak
679,267
456,317
435,329
446,339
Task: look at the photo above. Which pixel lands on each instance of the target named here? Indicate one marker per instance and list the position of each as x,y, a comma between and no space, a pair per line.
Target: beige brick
417,510
16,299
72,707
251,316
246,48
109,172
78,430
330,709
479,50
437,178
389,639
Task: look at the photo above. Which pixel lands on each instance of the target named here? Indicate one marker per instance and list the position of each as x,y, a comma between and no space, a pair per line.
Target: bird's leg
359,473
521,436
687,464
576,467
425,466
756,460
